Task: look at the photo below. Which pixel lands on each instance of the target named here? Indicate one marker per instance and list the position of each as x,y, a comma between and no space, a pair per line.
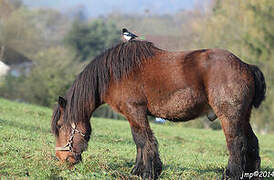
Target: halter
68,146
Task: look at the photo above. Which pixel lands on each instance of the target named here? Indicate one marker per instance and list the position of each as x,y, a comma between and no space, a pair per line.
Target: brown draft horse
138,79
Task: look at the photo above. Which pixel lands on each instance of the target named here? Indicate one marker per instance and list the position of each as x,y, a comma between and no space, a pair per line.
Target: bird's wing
133,35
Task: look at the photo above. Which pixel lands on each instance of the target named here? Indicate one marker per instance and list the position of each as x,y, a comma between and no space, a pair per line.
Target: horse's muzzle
70,157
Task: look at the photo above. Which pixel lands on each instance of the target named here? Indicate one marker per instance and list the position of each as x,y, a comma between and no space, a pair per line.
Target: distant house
13,62
3,69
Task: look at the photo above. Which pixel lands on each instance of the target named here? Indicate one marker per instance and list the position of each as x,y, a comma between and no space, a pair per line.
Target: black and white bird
128,35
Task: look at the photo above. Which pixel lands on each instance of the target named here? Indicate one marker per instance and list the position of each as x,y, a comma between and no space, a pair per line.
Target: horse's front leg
148,164
139,166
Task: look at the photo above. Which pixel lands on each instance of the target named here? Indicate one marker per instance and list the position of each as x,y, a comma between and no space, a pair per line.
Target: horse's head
71,136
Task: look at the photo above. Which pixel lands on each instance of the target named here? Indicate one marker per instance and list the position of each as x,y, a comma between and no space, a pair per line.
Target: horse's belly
183,105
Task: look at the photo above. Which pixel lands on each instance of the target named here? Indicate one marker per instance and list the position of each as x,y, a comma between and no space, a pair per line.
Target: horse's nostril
78,157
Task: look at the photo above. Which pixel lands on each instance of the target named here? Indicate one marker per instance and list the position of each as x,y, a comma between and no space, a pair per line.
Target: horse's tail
260,86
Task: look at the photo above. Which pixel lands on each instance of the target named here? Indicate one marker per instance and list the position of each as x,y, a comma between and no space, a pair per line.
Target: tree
51,75
260,42
16,29
89,40
245,29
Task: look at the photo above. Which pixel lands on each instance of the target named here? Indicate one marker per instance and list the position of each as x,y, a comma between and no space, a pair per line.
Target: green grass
27,149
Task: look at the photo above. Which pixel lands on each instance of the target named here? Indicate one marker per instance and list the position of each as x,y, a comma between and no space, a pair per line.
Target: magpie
128,35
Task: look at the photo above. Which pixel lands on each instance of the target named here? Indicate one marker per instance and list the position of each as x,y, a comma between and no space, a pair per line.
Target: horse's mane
90,86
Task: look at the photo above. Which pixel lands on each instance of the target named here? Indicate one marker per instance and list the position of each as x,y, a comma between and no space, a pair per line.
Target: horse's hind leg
242,144
233,120
148,163
253,160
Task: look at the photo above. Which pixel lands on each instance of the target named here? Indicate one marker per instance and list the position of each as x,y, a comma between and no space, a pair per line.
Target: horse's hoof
147,175
137,170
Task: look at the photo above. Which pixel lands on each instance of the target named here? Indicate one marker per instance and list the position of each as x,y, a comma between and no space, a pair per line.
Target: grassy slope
27,148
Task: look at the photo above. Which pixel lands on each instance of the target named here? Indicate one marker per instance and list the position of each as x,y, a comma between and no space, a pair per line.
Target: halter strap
68,146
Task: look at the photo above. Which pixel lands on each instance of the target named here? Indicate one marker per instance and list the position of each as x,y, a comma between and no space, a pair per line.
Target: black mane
91,84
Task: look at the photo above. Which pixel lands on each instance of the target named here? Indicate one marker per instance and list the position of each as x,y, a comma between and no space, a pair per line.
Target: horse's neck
89,108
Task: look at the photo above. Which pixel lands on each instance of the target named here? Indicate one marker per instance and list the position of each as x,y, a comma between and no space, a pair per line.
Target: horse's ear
62,102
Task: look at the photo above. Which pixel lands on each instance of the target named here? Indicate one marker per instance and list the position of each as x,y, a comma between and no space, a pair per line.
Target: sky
95,8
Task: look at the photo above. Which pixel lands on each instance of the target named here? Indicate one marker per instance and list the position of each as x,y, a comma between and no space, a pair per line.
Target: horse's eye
58,126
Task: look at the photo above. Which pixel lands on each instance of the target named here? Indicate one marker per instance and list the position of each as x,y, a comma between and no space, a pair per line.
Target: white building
3,69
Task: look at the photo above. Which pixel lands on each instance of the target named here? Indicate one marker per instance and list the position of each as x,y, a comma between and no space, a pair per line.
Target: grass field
27,149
